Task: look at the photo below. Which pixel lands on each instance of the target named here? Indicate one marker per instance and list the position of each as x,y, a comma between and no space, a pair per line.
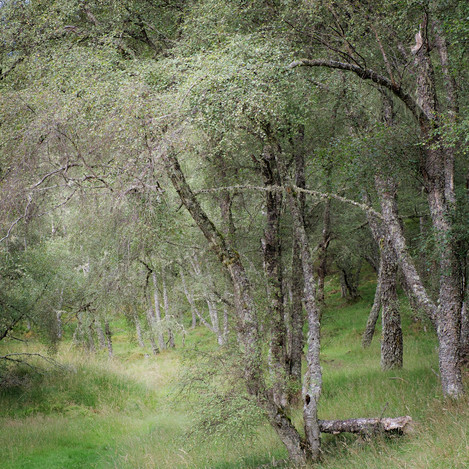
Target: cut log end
367,426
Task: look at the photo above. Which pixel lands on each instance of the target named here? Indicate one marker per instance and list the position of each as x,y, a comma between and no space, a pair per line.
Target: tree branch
316,194
367,74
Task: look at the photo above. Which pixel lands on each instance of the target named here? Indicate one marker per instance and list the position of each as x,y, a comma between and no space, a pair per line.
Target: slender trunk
297,318
151,327
326,236
210,300
190,299
90,338
100,334
107,331
167,312
59,325
226,326
273,272
138,329
157,306
312,381
373,316
343,285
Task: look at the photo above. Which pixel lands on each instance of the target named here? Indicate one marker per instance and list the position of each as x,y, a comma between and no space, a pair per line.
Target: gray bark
326,237
273,271
373,316
297,318
194,311
157,306
107,332
391,342
312,381
138,329
100,334
167,311
367,426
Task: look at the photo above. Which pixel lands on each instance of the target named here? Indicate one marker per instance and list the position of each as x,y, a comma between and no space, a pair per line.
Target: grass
122,413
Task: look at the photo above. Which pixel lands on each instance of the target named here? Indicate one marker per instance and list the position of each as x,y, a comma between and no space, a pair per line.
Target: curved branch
367,74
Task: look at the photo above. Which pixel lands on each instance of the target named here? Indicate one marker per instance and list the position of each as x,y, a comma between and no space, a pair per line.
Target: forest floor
127,412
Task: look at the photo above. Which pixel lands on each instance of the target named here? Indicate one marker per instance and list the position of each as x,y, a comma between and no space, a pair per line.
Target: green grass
124,413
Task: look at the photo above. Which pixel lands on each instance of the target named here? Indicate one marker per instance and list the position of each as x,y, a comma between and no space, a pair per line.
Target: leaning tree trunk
369,332
248,331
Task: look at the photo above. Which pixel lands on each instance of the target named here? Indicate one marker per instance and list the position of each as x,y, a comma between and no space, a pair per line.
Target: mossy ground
121,413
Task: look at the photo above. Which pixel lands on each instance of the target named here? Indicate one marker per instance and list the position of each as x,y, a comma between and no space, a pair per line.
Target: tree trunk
190,299
157,306
326,237
210,300
391,342
439,183
167,312
107,331
273,272
312,381
138,329
100,334
367,426
297,318
59,325
373,316
248,330
464,348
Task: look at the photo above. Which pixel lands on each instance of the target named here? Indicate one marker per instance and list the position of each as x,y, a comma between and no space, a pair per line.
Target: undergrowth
129,412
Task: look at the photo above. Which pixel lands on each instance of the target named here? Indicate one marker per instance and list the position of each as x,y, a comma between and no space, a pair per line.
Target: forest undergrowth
128,412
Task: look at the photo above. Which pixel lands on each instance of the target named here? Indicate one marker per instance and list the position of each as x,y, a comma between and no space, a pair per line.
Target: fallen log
399,425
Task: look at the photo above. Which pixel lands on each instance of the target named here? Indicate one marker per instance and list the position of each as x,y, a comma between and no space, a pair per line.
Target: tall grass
123,413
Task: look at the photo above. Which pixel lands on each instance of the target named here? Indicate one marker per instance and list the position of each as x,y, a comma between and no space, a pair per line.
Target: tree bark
373,316
194,311
107,332
138,329
391,341
312,381
167,311
273,272
297,318
157,306
367,426
326,237
100,334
